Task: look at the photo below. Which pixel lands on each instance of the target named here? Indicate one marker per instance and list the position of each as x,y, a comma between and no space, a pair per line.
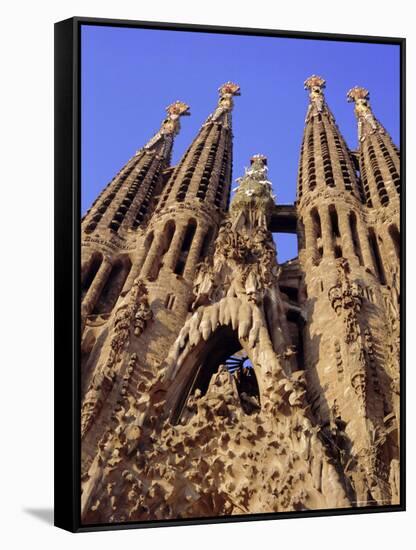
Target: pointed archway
223,347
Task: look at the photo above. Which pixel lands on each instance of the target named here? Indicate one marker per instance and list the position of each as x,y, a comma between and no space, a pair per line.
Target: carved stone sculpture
217,380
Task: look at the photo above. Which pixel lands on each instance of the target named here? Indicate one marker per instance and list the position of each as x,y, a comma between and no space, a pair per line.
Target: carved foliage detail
346,299
133,311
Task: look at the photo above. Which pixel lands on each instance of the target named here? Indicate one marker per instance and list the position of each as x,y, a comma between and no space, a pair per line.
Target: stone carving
338,358
134,310
368,471
142,315
225,104
367,123
243,246
171,125
315,85
261,390
346,298
210,456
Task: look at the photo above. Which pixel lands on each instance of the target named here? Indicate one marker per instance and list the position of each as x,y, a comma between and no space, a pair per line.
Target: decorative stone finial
256,158
175,110
357,93
253,200
367,123
315,84
229,88
169,127
225,103
314,81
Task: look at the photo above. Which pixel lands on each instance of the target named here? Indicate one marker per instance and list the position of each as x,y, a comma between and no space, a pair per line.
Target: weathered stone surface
217,381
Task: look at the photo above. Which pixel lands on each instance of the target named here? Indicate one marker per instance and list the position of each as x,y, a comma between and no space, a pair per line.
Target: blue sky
130,75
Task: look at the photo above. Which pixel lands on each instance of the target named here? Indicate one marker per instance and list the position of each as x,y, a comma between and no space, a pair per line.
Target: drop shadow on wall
43,514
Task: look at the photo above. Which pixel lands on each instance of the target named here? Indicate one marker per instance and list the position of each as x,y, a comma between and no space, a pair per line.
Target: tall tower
379,162
191,206
159,288
349,388
110,227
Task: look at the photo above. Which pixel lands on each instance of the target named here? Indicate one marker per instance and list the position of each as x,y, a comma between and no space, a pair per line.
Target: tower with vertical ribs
216,380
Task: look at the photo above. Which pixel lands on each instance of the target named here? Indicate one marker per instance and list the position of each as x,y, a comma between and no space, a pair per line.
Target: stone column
194,252
310,236
93,294
172,254
134,272
326,228
388,253
153,253
365,245
136,268
348,249
86,266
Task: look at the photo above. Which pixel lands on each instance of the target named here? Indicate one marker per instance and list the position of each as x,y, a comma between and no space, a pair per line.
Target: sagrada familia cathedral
215,380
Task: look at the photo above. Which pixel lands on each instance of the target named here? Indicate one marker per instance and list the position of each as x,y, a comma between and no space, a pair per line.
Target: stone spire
367,122
378,156
315,85
204,172
225,104
162,141
126,200
325,159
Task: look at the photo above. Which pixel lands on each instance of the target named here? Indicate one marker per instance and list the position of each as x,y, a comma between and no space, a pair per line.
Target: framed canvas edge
67,183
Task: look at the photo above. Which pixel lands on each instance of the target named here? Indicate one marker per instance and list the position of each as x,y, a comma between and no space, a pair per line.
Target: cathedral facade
215,380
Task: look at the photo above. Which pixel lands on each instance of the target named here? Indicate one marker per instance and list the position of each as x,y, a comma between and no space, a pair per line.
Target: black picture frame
67,269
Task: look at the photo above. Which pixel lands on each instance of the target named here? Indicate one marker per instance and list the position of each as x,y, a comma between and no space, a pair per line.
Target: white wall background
26,202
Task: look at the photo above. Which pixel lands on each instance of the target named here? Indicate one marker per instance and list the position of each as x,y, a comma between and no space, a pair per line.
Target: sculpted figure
143,314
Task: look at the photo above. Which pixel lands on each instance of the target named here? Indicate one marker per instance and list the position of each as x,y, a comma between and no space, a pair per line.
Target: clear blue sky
129,76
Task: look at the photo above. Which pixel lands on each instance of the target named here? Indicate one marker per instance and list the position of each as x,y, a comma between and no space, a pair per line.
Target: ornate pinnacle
357,93
367,123
315,84
253,202
314,81
229,89
170,126
261,158
225,103
177,109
